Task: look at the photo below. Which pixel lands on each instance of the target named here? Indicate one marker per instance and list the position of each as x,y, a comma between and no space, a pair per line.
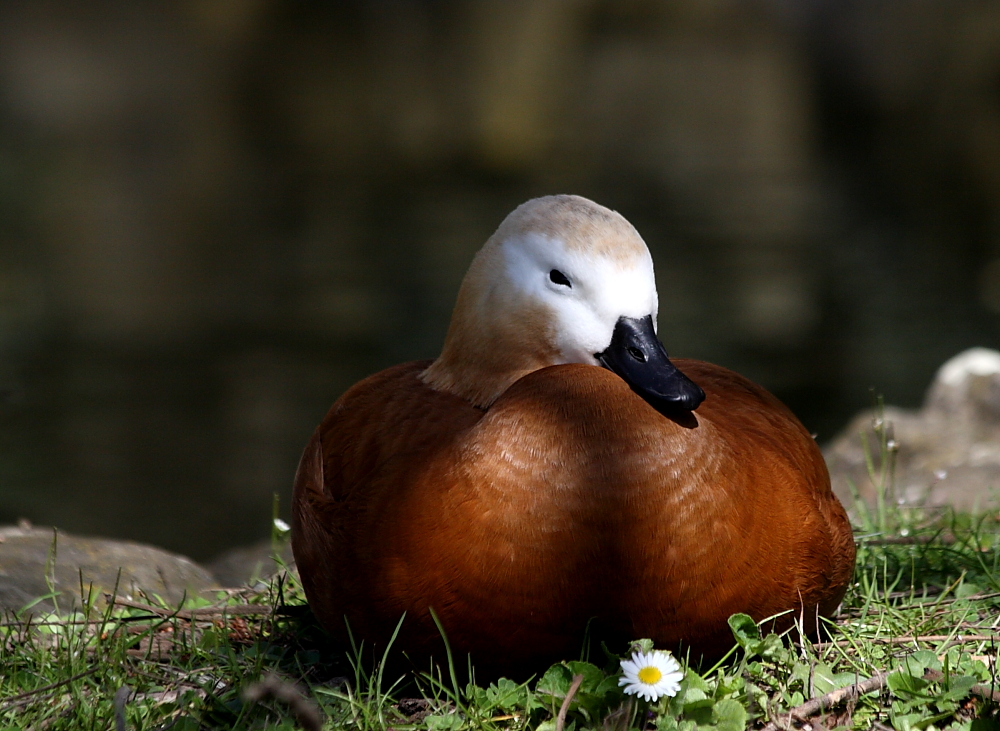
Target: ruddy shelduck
553,470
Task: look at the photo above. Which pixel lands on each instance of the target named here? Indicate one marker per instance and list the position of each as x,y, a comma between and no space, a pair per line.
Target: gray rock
947,453
240,566
26,552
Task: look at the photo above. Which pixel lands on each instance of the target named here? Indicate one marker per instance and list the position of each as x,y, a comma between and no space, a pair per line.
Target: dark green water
214,219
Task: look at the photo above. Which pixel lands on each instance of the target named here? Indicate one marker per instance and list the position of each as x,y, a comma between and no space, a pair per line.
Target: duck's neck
491,342
479,379
479,366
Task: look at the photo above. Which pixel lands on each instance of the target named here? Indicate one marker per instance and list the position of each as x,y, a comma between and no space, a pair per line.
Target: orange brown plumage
568,498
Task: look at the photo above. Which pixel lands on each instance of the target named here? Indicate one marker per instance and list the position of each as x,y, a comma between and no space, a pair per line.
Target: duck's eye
558,277
637,354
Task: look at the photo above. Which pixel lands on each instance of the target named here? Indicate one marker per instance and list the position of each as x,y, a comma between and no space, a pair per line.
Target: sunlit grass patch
921,618
185,666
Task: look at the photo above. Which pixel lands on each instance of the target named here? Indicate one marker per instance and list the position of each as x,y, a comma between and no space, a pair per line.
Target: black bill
637,355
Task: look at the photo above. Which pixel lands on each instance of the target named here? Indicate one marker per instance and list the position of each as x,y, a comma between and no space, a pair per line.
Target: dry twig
564,708
831,699
851,692
983,691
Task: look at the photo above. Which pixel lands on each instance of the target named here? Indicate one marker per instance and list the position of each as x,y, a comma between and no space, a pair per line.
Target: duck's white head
555,284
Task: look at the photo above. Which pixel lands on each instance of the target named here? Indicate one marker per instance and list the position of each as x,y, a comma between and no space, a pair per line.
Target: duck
554,474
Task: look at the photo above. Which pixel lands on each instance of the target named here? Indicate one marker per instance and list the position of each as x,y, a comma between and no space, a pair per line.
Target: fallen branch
983,691
876,682
831,699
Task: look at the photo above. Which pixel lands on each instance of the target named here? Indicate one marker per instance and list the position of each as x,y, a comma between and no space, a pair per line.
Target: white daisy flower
651,675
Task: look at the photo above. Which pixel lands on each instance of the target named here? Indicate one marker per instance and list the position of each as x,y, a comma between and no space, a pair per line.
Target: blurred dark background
215,216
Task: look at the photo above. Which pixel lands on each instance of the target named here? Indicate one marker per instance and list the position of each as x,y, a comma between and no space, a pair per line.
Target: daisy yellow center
650,675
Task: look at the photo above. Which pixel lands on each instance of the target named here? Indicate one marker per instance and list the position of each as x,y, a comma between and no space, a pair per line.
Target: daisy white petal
651,675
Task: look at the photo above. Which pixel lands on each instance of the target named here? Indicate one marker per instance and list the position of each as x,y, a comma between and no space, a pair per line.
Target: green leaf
591,697
922,659
905,722
977,668
795,698
967,589
730,684
700,713
744,630
693,707
556,681
693,680
729,715
924,723
643,645
506,694
958,687
696,705
550,725
608,686
771,648
476,695
902,683
824,679
592,675
451,722
694,695
612,662
800,673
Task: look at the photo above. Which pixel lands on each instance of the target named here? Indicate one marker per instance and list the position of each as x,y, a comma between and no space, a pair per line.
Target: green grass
926,596
922,617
